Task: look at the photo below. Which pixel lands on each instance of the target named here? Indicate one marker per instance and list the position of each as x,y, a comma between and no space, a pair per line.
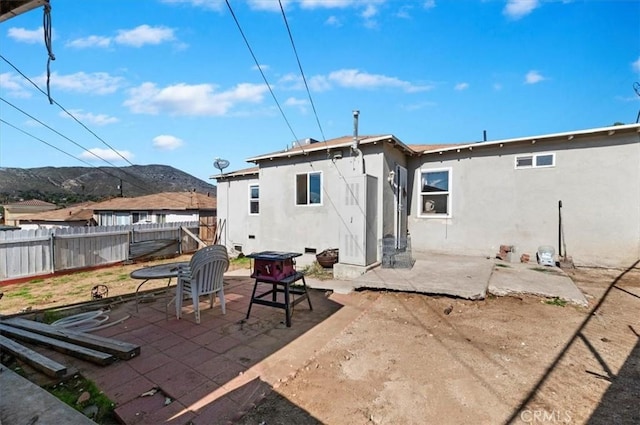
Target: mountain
68,185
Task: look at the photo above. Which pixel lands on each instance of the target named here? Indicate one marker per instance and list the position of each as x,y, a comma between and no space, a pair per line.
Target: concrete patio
464,277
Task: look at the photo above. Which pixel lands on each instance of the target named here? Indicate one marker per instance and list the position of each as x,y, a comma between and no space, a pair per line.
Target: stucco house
165,207
353,193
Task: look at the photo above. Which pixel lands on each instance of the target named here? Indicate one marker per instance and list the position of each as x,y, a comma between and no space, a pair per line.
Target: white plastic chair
203,276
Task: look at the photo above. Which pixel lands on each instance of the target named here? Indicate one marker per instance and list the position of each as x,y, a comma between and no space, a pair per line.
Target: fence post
52,251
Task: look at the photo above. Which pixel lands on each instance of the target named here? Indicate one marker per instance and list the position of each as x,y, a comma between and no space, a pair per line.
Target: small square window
544,160
434,193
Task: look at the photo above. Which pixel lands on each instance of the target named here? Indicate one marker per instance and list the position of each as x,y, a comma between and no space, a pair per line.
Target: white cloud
417,106
333,21
24,35
353,78
97,154
205,4
185,99
166,142
94,83
461,86
89,117
533,77
13,85
301,104
144,34
368,14
327,4
516,9
260,67
429,4
403,12
497,86
91,41
269,5
636,65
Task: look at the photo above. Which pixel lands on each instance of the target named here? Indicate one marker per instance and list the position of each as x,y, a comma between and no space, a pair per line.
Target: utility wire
55,131
145,189
45,142
101,169
295,138
295,51
54,102
57,148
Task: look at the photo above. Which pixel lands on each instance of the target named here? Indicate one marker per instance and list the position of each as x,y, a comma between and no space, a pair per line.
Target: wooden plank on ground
34,359
122,350
84,353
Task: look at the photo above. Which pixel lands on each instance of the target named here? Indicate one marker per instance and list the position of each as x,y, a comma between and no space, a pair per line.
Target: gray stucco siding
493,203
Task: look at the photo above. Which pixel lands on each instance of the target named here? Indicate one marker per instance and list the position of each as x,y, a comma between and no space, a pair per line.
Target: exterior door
400,206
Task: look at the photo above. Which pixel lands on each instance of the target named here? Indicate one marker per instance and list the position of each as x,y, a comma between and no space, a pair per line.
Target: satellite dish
220,164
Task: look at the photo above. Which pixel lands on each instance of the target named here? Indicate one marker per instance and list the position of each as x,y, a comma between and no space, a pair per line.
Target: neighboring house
459,199
78,215
14,212
166,207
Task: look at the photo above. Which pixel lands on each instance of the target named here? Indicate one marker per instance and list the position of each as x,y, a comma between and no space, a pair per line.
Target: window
139,217
254,199
434,193
309,188
536,161
161,218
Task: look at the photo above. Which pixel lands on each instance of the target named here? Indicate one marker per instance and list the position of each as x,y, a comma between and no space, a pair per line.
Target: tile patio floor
214,372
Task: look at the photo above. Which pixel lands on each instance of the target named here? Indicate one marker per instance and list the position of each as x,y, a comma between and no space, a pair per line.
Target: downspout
354,146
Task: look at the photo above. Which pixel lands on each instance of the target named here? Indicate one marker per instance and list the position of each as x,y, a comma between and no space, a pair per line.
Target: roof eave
569,135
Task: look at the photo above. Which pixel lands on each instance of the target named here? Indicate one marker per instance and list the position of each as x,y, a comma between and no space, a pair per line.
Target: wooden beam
201,244
88,354
122,350
34,359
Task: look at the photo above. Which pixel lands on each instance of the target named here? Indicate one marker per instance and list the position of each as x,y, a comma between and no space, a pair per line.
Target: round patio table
161,271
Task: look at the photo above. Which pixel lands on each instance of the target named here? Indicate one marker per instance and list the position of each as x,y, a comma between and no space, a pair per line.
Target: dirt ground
418,359
414,359
54,291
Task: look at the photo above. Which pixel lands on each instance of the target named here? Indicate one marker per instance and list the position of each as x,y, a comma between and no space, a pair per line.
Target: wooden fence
25,253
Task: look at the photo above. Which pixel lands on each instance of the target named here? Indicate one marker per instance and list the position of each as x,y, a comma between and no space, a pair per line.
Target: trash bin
546,255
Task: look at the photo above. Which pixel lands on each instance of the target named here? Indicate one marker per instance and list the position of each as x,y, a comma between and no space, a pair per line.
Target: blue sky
173,82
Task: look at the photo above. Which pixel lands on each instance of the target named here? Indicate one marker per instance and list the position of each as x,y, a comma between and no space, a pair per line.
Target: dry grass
56,291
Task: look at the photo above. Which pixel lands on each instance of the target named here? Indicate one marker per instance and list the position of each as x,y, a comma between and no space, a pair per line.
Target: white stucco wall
597,179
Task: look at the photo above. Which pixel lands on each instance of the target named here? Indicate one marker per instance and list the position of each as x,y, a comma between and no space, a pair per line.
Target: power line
55,131
295,138
80,146
295,51
54,102
45,142
101,169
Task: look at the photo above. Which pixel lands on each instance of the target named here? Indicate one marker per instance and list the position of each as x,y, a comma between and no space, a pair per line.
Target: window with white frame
435,197
254,199
538,160
309,188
